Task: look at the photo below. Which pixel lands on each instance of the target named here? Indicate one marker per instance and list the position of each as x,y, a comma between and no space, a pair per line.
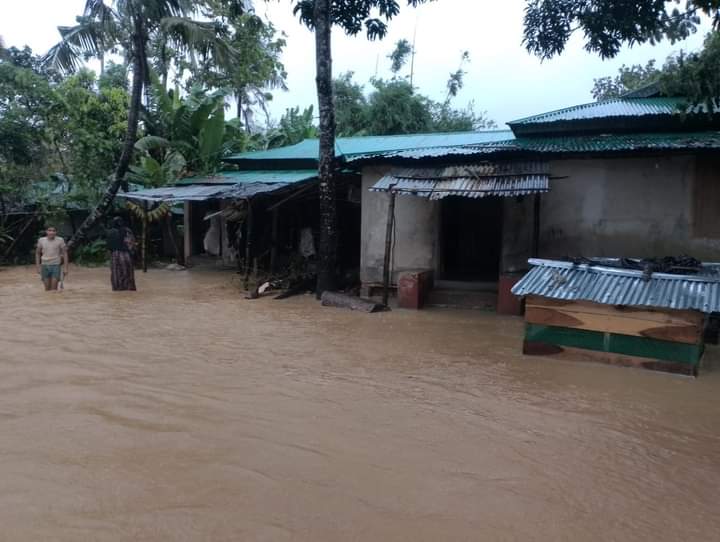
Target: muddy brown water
184,412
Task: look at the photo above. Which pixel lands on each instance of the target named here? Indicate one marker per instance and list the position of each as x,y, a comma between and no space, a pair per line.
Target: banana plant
195,126
159,165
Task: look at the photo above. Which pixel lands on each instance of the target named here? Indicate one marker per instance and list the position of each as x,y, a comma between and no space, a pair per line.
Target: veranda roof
471,181
225,185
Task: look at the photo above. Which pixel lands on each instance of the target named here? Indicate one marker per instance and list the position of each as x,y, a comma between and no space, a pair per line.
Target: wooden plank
664,316
652,348
615,323
591,340
568,353
614,343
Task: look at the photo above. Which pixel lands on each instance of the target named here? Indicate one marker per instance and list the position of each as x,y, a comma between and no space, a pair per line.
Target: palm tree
130,25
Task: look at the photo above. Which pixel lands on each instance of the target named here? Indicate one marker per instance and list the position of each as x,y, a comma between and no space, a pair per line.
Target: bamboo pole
274,240
388,246
187,233
144,235
248,242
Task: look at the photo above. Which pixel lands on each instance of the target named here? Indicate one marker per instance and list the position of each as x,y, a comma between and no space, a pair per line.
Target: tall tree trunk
328,215
118,178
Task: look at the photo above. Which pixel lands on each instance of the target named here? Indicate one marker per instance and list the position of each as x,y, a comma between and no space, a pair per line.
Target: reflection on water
185,412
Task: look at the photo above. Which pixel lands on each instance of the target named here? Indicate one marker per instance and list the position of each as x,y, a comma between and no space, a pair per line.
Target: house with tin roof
633,176
262,207
630,177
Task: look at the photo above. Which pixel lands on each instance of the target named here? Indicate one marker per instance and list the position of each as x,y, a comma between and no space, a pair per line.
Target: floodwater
185,412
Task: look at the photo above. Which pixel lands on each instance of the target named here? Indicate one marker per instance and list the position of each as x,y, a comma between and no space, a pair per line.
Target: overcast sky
502,77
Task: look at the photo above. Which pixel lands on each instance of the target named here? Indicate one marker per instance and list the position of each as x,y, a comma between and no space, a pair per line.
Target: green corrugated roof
600,143
621,107
308,149
612,143
245,177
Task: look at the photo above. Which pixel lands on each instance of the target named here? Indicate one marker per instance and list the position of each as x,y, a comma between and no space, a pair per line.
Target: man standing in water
51,258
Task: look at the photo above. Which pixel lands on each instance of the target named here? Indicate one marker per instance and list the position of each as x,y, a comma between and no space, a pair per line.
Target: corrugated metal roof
180,193
473,181
614,143
517,185
349,146
620,107
225,185
563,145
206,192
612,286
651,90
242,177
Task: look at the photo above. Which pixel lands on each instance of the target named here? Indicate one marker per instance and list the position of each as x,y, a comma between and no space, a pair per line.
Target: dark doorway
471,238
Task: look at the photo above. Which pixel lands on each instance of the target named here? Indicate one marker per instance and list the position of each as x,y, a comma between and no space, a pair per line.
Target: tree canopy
694,76
628,78
394,106
607,25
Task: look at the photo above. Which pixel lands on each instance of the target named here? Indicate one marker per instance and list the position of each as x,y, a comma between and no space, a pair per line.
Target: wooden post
388,246
536,226
144,235
274,240
248,241
187,233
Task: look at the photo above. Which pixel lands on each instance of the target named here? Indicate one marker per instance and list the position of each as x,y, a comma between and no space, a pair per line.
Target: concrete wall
416,230
622,207
631,207
517,233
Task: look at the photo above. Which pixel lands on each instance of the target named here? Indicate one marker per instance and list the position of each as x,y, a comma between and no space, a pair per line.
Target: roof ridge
587,105
464,132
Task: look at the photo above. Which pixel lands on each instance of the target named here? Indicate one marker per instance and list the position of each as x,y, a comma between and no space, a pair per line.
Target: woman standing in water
121,243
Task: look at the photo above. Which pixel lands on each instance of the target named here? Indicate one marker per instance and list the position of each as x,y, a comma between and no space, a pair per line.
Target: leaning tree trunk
118,178
323,79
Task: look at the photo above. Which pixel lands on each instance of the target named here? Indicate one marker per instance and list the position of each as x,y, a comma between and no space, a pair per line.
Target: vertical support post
536,226
187,233
388,246
144,235
221,227
274,240
248,241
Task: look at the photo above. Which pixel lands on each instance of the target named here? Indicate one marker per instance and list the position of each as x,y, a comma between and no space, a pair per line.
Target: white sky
502,77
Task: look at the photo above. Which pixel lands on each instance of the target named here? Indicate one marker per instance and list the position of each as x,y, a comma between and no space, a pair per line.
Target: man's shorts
50,272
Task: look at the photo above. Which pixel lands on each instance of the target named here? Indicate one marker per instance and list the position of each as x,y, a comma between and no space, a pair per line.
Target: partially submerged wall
614,207
517,233
624,207
416,230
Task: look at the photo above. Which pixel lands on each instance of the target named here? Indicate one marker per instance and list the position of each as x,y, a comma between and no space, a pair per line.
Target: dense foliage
607,25
694,76
629,78
59,121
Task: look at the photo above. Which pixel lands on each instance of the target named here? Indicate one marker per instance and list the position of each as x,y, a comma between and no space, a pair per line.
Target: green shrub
92,254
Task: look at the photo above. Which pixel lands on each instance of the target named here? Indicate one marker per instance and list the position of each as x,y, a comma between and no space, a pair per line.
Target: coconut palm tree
128,26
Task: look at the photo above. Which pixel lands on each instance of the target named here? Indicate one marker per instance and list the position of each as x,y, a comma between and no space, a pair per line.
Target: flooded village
386,319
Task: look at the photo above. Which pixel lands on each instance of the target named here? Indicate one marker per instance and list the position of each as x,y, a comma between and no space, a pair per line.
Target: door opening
471,239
